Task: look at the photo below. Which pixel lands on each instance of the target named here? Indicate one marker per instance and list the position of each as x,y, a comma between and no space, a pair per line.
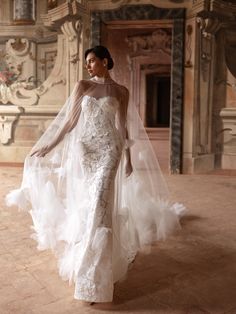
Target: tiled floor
193,272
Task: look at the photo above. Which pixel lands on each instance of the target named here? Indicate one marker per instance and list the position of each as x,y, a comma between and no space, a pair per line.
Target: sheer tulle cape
53,192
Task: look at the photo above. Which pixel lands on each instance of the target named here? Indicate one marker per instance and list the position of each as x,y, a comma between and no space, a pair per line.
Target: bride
93,186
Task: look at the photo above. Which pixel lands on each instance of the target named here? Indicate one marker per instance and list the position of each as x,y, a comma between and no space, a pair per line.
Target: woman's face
95,66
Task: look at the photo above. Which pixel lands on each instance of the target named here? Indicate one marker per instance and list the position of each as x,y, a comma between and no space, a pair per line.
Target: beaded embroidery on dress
101,151
82,205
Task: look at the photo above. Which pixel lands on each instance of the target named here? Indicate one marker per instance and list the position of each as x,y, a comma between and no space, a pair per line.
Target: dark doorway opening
157,101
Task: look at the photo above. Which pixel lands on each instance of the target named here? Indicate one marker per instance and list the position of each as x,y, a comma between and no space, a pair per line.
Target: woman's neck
102,79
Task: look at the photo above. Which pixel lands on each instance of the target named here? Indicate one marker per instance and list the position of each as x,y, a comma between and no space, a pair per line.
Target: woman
94,185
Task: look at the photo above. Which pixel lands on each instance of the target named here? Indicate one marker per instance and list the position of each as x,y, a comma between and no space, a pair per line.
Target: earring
104,65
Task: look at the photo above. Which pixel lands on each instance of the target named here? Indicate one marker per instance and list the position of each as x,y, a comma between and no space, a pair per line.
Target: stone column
5,12
228,156
201,27
24,11
72,31
205,85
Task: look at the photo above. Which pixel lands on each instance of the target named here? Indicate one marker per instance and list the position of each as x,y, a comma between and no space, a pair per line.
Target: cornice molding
222,7
38,33
115,4
67,11
228,113
213,9
199,6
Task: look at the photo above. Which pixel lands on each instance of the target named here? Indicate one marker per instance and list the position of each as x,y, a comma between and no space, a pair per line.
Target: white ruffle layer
63,229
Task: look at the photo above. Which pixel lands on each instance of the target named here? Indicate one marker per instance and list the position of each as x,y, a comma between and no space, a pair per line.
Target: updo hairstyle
101,52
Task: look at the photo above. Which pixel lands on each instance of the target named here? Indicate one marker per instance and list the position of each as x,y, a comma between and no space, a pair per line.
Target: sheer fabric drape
58,189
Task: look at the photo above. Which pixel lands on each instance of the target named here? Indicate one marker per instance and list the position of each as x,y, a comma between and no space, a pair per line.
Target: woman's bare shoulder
82,86
84,83
123,89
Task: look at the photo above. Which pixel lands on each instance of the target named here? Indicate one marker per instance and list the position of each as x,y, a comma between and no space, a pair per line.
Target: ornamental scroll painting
24,12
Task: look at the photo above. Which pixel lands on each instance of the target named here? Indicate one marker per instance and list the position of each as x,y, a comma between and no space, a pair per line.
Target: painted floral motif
8,73
11,81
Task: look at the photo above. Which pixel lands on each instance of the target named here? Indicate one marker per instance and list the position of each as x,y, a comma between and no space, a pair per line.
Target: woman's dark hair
101,52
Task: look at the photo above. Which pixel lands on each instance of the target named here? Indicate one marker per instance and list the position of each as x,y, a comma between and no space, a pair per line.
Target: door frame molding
149,12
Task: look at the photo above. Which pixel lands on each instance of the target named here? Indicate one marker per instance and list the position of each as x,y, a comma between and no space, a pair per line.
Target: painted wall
45,59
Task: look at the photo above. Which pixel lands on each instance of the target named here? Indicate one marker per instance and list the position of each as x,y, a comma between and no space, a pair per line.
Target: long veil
54,193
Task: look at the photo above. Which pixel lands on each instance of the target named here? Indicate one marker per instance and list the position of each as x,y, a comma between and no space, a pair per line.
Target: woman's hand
41,152
128,164
128,168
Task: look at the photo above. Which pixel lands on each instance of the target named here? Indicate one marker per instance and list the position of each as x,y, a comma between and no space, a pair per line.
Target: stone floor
193,272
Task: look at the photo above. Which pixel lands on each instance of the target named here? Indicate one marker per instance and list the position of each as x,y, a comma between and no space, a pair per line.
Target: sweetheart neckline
97,99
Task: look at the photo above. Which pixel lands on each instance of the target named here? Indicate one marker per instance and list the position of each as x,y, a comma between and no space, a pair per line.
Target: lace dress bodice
99,118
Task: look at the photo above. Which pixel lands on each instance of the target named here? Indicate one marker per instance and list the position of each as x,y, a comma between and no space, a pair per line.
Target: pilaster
205,20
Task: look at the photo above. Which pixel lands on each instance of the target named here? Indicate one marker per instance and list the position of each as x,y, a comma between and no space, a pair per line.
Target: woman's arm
71,122
123,122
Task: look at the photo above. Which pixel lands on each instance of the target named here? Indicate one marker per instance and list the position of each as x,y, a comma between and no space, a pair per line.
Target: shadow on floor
189,271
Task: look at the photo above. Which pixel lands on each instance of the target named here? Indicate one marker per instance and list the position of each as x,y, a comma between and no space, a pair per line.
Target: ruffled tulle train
62,230
82,205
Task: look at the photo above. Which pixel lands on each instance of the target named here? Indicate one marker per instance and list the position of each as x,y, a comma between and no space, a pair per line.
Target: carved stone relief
204,94
17,73
188,46
9,115
28,77
72,31
47,55
149,44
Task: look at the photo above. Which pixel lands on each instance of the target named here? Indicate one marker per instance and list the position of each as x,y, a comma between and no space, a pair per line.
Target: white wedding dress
101,147
82,205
